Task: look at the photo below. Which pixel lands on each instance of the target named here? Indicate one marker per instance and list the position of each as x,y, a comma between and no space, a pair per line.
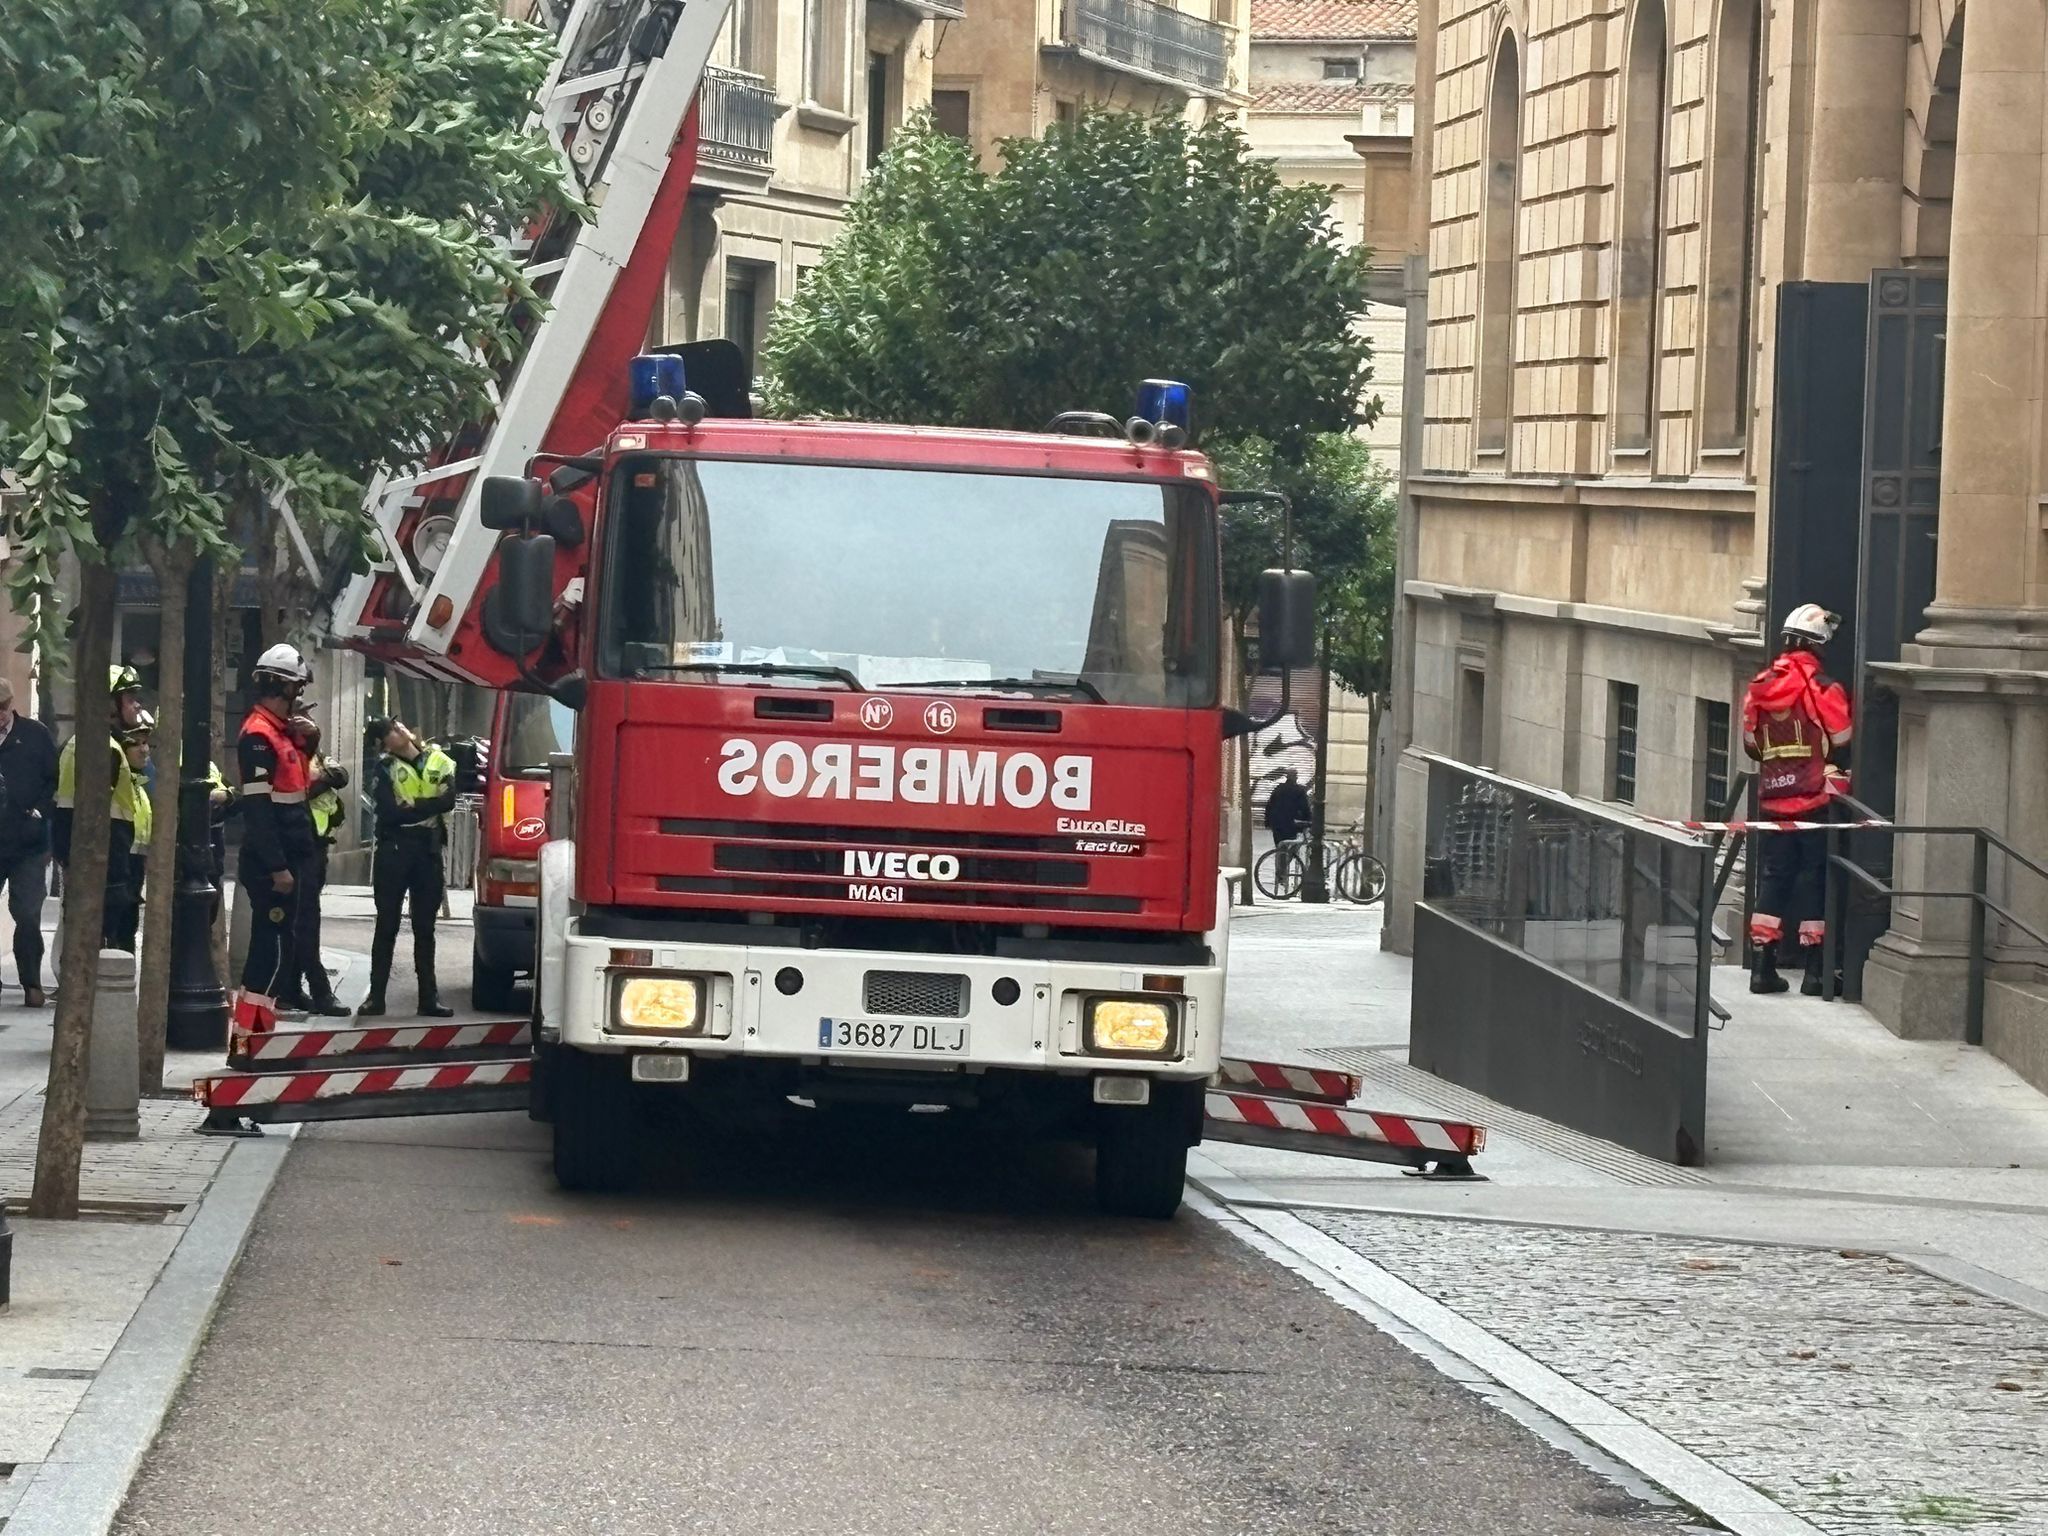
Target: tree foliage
1343,506
1116,248
259,251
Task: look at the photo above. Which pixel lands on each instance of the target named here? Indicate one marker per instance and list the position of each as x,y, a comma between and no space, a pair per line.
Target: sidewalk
1846,1309
163,1220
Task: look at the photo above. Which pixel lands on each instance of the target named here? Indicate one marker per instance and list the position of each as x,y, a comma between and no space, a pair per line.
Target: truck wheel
1141,1157
593,1119
490,986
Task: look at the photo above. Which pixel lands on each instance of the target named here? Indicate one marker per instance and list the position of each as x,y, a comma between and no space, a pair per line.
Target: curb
1468,1354
80,1489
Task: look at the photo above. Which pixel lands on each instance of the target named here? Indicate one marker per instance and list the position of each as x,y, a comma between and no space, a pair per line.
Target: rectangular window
827,42
1472,716
1714,776
878,106
1065,113
1340,69
1621,723
951,113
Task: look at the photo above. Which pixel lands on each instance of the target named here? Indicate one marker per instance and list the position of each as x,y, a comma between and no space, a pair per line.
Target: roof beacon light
654,374
1168,403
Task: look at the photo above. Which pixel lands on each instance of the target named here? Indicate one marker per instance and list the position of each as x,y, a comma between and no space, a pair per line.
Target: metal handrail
1982,840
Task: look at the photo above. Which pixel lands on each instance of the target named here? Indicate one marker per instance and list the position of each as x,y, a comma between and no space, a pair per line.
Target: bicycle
1348,870
1281,869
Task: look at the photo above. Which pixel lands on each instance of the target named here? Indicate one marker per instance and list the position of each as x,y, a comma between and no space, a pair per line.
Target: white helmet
1810,621
285,661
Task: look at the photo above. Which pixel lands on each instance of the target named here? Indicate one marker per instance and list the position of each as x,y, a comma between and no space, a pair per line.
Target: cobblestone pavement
165,1169
1856,1390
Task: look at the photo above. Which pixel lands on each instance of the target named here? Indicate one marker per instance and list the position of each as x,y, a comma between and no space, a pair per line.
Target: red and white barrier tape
302,1044
1277,1077
1768,826
235,1089
1453,1136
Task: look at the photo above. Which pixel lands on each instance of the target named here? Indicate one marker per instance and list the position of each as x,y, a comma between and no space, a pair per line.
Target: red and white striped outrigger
1306,1109
364,1073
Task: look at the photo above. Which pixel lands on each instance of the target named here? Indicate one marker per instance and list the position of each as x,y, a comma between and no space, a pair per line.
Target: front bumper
746,1013
504,935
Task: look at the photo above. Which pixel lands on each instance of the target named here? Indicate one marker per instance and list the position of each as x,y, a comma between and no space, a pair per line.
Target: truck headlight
658,1005
1130,1026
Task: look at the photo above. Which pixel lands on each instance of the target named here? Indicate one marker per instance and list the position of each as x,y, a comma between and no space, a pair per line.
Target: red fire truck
896,776
527,730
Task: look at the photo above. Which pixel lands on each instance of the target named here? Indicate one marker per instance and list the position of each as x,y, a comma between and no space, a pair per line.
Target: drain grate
1451,1101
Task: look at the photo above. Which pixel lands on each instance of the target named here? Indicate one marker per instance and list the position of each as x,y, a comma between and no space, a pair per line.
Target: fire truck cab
897,772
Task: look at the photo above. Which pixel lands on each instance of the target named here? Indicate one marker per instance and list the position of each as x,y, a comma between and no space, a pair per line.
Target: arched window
1499,209
1639,232
1730,295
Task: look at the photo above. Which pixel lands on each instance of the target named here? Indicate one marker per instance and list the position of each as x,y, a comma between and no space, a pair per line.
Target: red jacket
1793,716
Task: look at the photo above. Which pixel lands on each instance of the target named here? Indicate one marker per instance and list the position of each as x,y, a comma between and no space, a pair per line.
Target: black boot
1809,984
372,1007
1763,971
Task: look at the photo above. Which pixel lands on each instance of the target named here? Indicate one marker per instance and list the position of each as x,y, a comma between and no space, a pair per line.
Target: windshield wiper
1079,685
762,669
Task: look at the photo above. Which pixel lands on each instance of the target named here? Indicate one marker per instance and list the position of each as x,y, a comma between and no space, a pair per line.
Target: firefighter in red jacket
277,832
1794,718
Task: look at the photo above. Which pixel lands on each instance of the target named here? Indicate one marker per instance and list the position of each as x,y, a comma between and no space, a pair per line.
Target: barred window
1621,717
1714,775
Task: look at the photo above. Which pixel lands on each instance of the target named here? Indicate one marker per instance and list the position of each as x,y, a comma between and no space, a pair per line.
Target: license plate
893,1037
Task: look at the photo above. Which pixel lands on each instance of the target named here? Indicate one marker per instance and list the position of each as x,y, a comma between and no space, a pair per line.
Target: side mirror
510,501
521,607
1287,620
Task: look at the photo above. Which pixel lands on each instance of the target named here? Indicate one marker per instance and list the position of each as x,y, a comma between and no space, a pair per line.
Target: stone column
1857,150
112,1081
1974,683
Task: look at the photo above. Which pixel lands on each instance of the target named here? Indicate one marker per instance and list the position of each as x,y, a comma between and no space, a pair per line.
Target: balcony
736,115
934,10
1154,41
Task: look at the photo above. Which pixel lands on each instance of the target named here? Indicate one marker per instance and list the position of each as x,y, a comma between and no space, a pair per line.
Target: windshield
534,727
823,576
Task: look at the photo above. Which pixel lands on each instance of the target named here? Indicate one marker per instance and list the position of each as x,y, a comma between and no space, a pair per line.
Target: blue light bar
654,373
1167,402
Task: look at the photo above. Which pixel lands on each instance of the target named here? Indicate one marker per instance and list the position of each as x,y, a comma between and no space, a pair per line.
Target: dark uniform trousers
272,916
307,970
406,870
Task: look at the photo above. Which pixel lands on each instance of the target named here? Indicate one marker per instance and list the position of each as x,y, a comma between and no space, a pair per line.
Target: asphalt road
840,1334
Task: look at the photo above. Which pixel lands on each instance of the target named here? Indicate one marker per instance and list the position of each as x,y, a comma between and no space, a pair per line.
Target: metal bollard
112,1080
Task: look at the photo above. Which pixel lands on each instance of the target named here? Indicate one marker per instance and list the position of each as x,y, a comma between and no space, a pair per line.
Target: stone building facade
1642,224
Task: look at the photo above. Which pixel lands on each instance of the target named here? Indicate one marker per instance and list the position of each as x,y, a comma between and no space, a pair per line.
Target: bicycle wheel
1278,874
1344,878
1371,877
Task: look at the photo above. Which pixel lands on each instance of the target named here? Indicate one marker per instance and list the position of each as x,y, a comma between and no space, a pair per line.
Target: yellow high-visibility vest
127,786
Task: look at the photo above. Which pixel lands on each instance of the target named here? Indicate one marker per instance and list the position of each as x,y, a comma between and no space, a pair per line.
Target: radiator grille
918,994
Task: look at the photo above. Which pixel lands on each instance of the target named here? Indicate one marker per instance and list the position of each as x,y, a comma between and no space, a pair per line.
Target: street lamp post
198,1014
1315,885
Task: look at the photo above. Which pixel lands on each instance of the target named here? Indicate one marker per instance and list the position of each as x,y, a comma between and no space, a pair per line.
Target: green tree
1113,249
266,256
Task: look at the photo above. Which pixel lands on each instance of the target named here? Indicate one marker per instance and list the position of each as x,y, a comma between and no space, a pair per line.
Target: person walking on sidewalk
277,833
308,989
1794,718
28,787
414,792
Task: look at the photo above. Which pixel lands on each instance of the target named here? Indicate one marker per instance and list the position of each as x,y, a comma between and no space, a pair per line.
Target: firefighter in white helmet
277,831
1794,719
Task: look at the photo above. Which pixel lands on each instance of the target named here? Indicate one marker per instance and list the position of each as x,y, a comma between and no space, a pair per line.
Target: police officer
125,713
415,790
135,746
1794,717
308,989
277,832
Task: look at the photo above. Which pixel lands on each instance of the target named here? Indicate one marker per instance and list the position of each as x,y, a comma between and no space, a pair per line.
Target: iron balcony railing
1150,39
736,115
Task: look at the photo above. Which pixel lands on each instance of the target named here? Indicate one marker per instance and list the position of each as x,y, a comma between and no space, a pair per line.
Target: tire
1141,1157
490,986
1278,874
595,1132
1371,877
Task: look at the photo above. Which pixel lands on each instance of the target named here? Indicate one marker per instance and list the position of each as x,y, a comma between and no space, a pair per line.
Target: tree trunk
174,573
224,578
62,1142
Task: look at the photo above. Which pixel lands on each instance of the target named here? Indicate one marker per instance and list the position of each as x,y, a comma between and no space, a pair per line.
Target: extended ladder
617,102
